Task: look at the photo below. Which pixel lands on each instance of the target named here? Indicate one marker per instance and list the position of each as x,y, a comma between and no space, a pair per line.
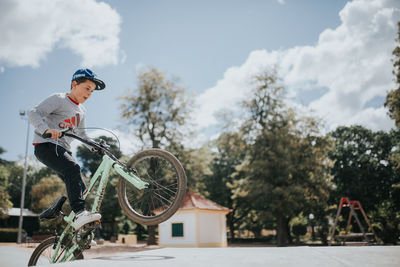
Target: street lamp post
21,216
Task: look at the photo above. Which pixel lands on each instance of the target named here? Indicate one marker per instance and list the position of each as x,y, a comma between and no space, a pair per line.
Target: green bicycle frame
103,173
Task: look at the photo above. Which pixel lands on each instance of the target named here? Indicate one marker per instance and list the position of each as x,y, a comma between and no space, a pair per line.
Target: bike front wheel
44,253
166,190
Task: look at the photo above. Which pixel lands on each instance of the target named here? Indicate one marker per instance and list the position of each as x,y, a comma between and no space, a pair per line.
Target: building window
177,230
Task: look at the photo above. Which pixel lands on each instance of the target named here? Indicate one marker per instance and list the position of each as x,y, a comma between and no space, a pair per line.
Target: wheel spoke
162,198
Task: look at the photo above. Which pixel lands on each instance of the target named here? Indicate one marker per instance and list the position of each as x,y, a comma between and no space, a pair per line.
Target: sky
334,57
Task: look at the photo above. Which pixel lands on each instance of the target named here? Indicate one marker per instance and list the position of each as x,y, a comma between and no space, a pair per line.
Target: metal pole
23,187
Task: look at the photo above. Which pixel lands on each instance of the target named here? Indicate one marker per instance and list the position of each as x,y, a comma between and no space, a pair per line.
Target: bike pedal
91,225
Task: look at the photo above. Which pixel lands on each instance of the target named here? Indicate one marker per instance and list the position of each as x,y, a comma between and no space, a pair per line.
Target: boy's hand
55,134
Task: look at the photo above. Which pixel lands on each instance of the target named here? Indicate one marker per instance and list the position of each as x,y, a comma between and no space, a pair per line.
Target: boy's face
81,92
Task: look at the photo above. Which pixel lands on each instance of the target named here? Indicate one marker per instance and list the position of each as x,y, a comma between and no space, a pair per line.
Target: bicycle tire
40,250
167,189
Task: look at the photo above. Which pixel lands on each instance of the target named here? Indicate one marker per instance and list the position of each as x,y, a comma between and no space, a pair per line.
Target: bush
270,239
299,230
10,234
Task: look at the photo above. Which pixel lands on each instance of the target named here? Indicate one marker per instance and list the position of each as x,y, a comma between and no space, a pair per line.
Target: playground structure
367,238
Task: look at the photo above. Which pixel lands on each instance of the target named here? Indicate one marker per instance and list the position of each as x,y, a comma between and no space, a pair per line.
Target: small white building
199,222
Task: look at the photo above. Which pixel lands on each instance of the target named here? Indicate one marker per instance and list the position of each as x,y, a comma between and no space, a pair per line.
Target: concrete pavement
11,256
236,256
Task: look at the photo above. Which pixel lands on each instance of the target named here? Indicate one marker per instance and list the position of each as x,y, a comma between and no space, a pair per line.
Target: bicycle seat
54,210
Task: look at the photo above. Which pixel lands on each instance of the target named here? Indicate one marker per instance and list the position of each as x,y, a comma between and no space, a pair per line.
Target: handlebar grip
46,135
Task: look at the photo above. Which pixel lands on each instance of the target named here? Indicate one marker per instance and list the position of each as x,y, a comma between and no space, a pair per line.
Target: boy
59,111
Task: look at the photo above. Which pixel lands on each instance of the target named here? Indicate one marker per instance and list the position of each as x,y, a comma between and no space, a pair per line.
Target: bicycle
150,189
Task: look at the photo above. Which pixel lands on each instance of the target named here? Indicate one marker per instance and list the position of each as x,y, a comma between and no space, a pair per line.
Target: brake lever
69,129
103,144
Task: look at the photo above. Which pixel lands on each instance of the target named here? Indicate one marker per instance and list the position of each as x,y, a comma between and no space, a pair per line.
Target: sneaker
85,217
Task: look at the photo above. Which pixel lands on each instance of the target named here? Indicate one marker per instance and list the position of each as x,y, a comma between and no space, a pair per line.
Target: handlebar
101,148
63,132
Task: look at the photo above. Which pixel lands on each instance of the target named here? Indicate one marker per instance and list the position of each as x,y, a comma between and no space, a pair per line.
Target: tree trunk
152,235
282,230
231,227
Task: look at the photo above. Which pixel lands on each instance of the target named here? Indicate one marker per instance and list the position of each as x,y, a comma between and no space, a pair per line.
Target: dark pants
66,167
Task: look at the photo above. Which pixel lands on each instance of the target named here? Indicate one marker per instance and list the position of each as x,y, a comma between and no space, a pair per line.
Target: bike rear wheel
163,197
43,253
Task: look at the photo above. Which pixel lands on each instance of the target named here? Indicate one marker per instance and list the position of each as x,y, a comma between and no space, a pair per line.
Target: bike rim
162,193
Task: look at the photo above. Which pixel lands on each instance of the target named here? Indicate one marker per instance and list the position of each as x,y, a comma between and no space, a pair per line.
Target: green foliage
393,104
43,195
299,229
10,185
9,234
285,168
157,109
386,222
393,97
46,192
5,202
364,171
196,164
14,185
219,184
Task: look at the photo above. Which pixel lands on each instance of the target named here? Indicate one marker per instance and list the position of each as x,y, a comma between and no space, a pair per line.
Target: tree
5,202
46,192
364,171
196,164
285,168
157,112
14,187
11,180
43,195
393,97
299,229
231,150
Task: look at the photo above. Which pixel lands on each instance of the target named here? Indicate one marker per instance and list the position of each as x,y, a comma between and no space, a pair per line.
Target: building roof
196,201
25,212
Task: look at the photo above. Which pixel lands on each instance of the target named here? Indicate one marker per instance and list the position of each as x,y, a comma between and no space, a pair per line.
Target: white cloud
32,29
353,62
